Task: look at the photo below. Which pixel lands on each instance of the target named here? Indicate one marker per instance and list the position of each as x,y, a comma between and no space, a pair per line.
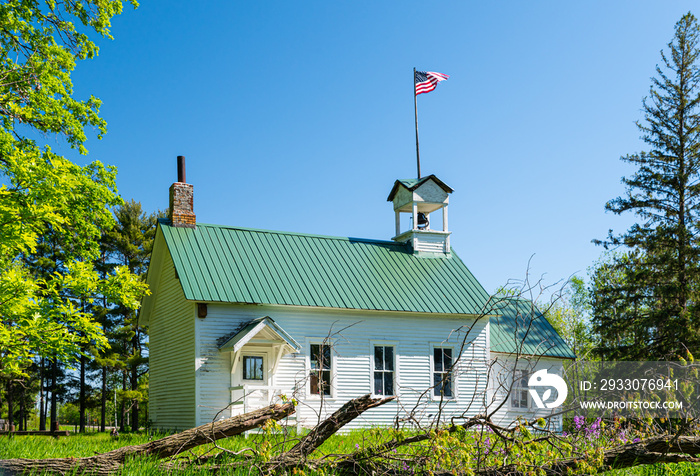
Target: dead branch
106,463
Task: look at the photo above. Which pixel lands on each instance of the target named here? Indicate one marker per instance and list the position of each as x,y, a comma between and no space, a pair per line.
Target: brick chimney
181,212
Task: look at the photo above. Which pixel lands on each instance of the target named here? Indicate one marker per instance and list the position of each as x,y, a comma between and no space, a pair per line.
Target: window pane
252,367
322,352
388,383
320,363
447,385
314,356
448,358
326,382
523,379
437,359
442,384
378,358
437,378
519,398
389,358
313,383
378,383
326,357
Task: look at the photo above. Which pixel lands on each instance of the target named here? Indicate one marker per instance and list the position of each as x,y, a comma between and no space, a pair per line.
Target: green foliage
646,296
41,44
570,316
43,193
69,414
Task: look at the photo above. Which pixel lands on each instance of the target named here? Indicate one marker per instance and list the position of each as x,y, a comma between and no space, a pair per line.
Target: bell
422,221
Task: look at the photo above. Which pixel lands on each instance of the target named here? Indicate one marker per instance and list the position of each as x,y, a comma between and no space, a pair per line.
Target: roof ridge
295,233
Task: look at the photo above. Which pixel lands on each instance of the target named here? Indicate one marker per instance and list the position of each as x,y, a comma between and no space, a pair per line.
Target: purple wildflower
594,429
622,436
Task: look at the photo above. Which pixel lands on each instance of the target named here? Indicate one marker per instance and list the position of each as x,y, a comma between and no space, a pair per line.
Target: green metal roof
520,328
412,184
231,264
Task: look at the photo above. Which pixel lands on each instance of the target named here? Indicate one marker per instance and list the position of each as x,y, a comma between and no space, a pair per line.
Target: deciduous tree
40,44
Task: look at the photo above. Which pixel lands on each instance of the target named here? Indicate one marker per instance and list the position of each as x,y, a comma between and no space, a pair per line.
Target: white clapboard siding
413,337
502,366
172,352
430,243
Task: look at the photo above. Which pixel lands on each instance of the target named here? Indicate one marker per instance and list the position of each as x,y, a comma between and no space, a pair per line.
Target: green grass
38,447
89,444
676,469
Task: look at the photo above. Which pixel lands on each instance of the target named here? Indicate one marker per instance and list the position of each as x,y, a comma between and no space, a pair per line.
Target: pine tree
129,244
645,300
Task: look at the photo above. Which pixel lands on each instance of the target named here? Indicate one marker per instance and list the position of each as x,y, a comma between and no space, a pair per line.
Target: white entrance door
252,380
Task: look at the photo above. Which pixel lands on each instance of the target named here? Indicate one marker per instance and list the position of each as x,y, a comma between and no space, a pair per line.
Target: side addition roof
230,264
520,328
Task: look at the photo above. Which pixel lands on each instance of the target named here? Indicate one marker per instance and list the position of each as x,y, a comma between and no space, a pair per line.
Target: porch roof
247,331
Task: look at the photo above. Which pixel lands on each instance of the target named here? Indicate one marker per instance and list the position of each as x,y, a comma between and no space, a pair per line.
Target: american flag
427,81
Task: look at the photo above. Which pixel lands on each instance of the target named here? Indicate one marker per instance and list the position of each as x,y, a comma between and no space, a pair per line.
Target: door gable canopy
263,330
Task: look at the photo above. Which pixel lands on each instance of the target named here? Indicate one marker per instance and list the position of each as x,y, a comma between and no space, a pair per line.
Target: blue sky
298,116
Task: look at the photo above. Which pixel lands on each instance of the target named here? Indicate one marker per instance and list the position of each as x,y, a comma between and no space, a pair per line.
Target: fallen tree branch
297,455
661,449
106,463
331,425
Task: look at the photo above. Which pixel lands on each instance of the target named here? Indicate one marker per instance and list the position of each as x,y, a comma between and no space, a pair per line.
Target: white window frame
383,343
263,356
317,396
455,386
516,387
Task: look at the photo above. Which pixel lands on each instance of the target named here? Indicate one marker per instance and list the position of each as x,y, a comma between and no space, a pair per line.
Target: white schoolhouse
239,317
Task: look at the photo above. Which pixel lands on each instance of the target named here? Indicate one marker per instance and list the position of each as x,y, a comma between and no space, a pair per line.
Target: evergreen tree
645,300
129,244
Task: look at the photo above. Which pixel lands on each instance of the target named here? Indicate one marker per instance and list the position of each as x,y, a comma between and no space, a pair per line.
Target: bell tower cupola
420,198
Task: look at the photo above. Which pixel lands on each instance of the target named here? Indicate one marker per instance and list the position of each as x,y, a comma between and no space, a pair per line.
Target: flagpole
415,109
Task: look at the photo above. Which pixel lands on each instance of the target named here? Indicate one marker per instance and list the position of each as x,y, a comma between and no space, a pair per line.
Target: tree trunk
103,401
82,394
42,386
46,404
122,406
54,400
107,463
135,381
22,415
10,410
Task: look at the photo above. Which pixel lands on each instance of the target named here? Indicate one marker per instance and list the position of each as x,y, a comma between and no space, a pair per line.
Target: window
320,376
252,367
383,370
518,394
442,372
